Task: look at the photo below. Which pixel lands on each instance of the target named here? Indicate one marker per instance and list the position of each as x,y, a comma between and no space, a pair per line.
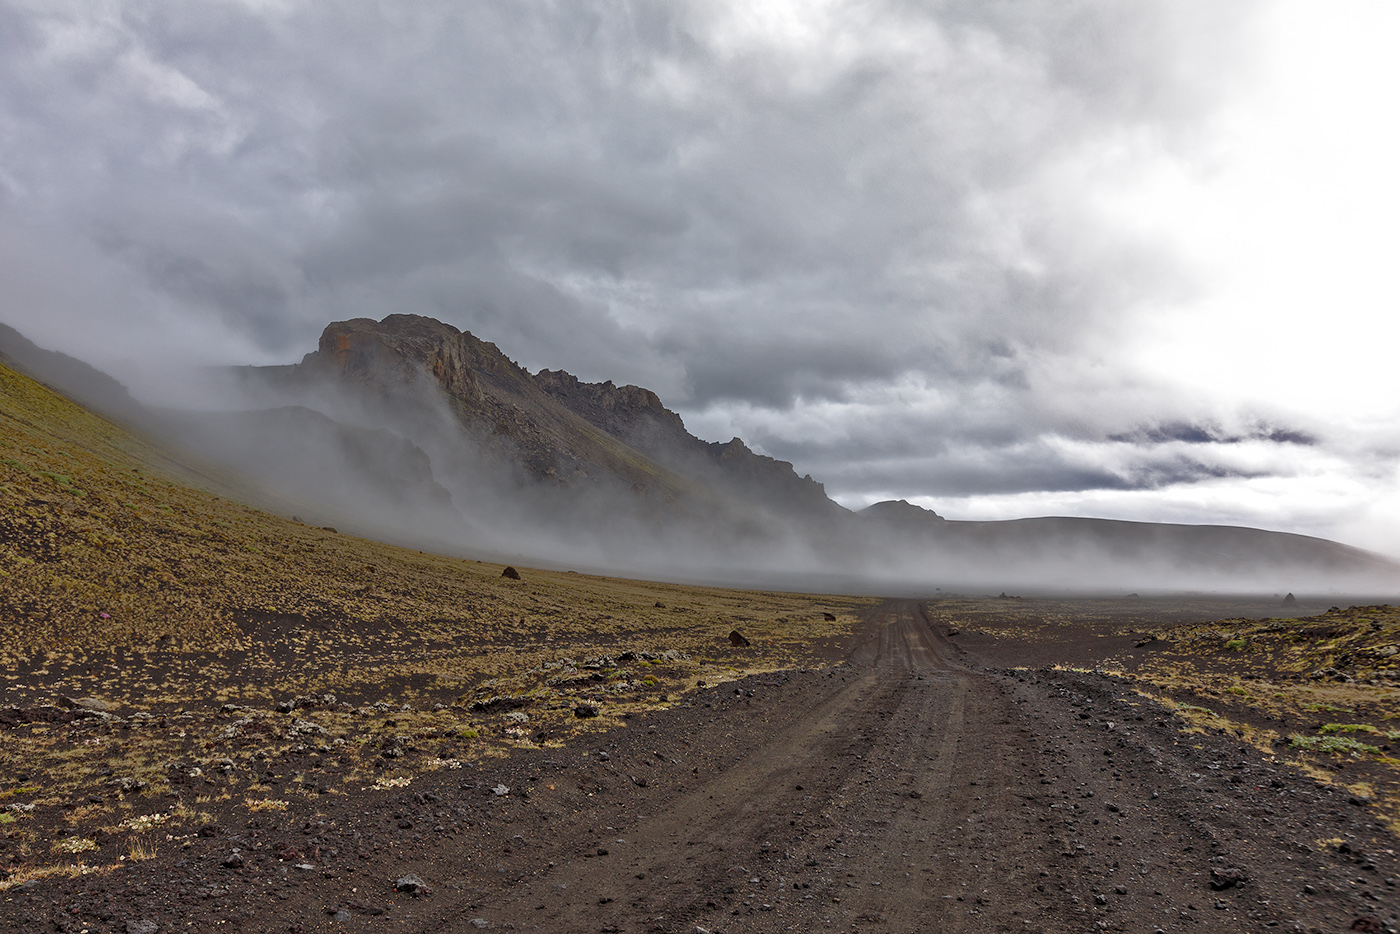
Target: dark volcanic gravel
909,789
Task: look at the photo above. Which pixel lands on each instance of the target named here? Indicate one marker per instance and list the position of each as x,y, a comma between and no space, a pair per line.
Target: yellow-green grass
134,574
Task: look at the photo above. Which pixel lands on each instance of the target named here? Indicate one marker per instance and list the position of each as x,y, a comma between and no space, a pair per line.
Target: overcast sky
1133,260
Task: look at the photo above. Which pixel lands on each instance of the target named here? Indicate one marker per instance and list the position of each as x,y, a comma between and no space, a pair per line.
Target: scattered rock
96,704
500,791
304,701
411,884
125,785
233,861
502,702
511,573
143,926
305,728
584,711
736,638
829,617
1223,878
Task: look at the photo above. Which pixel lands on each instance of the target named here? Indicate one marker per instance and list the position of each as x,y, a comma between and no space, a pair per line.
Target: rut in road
858,810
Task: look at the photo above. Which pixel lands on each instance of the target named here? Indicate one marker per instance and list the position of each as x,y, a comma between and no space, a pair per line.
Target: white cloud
945,254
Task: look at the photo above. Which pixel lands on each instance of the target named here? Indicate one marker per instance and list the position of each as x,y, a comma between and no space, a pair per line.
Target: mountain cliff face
407,369
550,426
636,417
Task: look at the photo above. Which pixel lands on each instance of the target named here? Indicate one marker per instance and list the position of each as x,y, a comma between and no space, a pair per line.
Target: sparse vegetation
1331,744
1315,706
158,593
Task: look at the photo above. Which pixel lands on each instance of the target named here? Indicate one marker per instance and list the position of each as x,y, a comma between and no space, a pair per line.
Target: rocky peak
776,480
552,424
622,411
735,450
636,416
400,350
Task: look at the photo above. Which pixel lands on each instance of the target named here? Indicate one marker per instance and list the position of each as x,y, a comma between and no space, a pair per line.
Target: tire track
804,830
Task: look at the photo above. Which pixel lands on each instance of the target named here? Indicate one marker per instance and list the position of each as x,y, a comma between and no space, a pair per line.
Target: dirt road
911,792
913,788
839,815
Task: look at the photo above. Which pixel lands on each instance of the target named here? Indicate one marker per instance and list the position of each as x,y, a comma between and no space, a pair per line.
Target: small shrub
21,790
144,822
384,784
74,845
1331,744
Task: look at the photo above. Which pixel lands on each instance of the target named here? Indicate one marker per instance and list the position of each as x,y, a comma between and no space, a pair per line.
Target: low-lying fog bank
410,431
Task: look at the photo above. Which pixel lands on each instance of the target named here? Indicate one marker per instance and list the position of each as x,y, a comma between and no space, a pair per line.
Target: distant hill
69,375
1147,554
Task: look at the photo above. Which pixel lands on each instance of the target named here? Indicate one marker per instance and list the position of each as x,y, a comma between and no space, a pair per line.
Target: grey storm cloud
756,210
1000,450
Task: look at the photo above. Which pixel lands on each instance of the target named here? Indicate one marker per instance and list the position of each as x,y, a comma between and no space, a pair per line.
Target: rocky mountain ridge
551,425
637,417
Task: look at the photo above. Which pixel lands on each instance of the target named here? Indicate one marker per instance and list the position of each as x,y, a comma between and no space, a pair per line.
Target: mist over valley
410,430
